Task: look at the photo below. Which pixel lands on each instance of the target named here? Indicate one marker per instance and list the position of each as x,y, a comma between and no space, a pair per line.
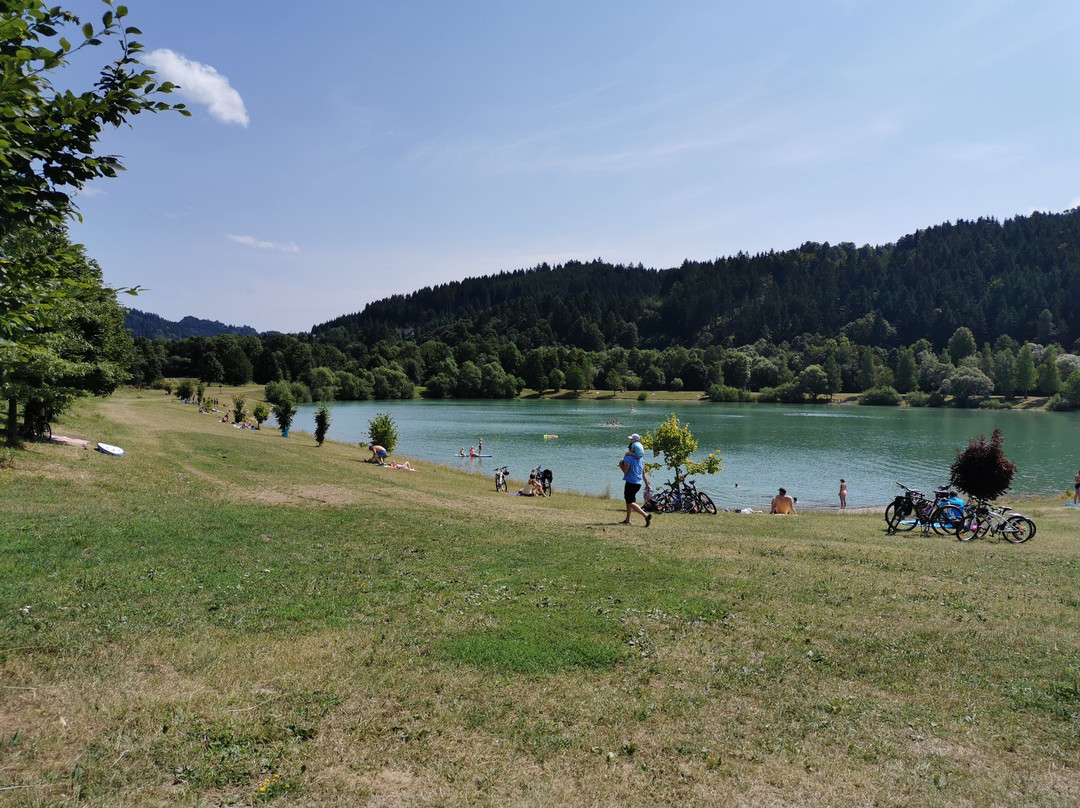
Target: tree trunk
13,422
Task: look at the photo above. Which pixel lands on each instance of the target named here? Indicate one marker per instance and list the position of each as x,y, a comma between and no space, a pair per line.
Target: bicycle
913,509
982,520
36,423
501,474
683,497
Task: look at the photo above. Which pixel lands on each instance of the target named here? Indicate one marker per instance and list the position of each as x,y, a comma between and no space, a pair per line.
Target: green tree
1070,390
966,384
76,345
867,368
185,388
284,408
962,344
1026,377
1048,373
556,379
613,380
323,383
239,413
260,412
676,442
907,371
322,422
383,431
1005,372
575,378
813,380
48,139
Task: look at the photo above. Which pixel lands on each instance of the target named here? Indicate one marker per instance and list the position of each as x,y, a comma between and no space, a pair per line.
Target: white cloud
251,241
200,83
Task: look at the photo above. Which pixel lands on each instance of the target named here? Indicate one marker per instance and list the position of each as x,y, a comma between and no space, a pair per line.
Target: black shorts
630,492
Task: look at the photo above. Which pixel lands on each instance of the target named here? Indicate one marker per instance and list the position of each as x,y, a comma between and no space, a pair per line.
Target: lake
806,449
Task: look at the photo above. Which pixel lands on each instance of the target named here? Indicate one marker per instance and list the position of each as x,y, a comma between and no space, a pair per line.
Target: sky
342,151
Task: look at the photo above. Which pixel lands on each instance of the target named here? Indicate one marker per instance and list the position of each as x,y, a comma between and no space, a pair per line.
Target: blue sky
342,151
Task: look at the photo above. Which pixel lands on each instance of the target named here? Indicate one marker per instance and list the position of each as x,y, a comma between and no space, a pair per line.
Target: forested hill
1019,278
151,326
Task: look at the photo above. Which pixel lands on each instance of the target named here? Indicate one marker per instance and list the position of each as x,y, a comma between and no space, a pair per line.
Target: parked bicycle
36,424
682,498
981,520
913,509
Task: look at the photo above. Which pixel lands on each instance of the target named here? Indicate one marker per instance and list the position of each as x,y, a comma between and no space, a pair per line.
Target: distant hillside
151,326
1019,278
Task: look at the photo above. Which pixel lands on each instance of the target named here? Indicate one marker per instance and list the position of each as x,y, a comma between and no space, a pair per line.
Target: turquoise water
806,449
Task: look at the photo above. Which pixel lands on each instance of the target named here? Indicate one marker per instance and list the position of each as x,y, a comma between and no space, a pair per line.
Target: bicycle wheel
705,504
968,527
664,502
1018,529
944,518
899,516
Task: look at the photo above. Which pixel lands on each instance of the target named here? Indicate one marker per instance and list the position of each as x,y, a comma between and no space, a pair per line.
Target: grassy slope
222,611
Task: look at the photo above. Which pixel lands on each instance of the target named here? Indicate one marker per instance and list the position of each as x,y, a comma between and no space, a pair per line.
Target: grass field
227,617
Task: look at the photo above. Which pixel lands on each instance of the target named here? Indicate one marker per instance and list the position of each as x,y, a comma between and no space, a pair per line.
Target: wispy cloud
201,84
251,241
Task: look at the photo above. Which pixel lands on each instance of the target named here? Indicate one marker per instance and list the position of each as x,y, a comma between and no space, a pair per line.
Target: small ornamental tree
260,412
284,411
676,443
382,431
322,423
982,470
239,414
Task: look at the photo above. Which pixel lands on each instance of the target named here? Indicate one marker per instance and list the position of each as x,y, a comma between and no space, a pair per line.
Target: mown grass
229,617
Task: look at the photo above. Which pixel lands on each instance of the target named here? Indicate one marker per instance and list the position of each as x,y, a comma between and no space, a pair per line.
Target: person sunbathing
533,488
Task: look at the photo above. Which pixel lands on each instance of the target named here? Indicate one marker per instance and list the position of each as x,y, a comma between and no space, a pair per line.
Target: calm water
806,449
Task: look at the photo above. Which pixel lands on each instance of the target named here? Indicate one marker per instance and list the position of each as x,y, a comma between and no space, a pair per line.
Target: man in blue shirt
633,468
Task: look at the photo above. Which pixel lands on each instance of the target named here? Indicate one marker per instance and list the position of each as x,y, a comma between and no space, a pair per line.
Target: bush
383,431
880,397
917,398
936,399
642,396
724,392
260,412
1058,403
787,393
982,470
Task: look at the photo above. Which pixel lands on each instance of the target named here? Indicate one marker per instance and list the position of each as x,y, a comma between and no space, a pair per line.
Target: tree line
956,313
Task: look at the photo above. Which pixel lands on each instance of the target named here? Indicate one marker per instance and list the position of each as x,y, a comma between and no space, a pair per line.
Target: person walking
633,468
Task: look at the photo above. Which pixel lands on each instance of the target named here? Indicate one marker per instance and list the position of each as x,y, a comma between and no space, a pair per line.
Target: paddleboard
69,441
465,456
550,437
108,448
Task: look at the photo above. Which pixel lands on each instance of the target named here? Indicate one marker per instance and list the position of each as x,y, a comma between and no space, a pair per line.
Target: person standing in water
843,493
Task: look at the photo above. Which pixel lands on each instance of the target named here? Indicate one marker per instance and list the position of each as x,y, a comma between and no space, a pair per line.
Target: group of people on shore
634,477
